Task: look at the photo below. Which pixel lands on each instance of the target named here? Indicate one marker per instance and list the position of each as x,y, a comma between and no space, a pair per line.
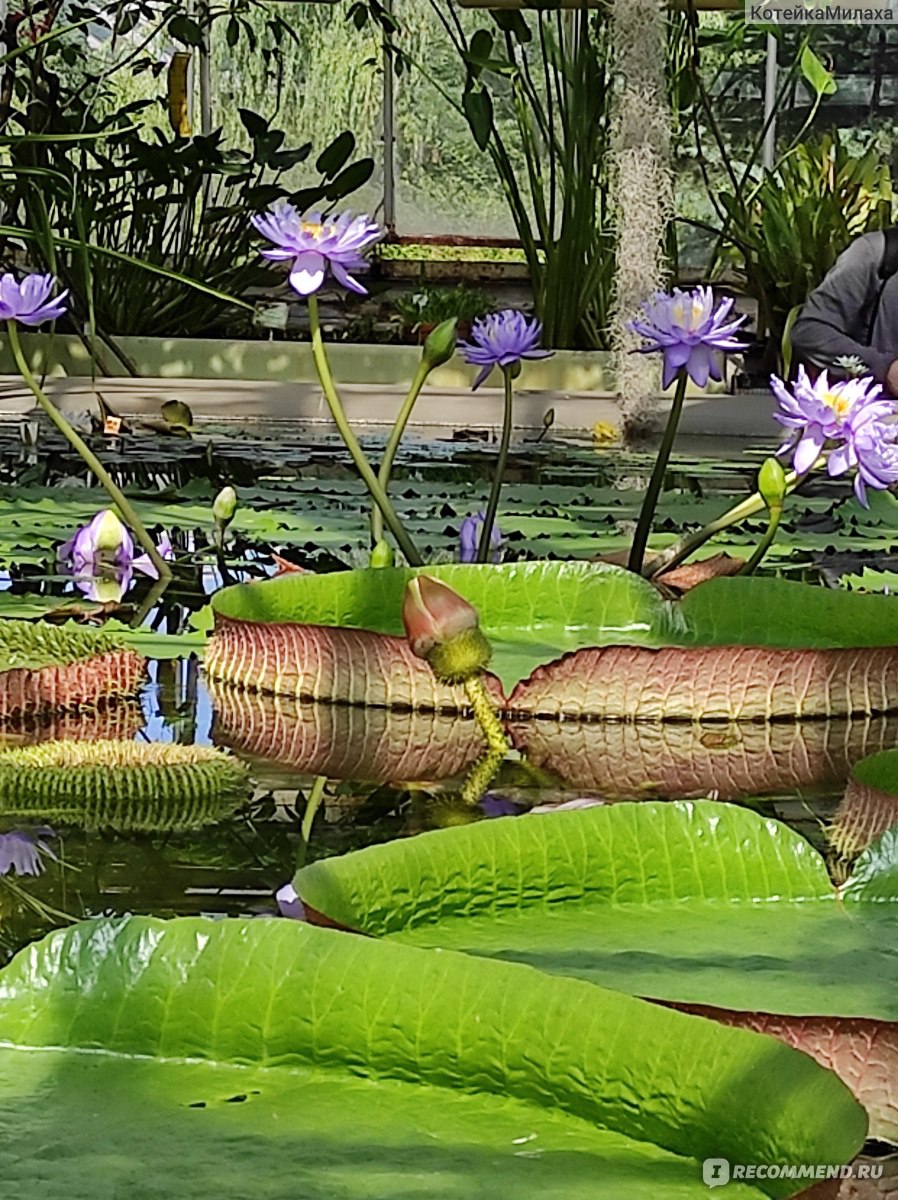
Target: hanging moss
122,785
53,668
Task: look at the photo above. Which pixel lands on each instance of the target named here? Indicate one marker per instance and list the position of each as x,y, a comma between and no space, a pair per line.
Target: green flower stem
483,550
350,441
386,466
776,515
496,737
650,501
313,803
753,504
90,459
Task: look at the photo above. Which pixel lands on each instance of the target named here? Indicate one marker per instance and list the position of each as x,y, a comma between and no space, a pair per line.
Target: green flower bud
224,506
772,483
382,555
439,345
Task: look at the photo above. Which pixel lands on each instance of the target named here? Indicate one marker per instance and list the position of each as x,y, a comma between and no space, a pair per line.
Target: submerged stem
90,459
351,443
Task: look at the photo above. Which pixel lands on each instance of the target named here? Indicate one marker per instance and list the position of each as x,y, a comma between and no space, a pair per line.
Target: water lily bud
772,483
439,345
382,555
444,629
107,534
224,506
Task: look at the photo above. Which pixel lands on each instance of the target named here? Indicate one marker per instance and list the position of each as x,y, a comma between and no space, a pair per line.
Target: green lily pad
253,1053
534,612
695,902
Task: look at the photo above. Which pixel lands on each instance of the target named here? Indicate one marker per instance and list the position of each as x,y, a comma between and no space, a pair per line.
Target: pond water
390,775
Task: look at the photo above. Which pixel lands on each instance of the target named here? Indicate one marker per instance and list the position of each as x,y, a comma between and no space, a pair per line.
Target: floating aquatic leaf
259,1051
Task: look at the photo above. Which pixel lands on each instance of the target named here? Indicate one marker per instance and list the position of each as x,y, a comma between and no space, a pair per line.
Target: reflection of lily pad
45,668
343,741
265,1051
685,759
122,719
690,902
732,649
131,786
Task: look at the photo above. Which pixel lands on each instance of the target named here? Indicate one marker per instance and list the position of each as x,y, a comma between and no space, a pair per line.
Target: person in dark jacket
854,313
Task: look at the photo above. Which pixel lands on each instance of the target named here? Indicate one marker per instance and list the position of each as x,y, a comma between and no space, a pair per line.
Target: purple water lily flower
849,421
502,339
101,559
690,332
289,903
29,301
317,243
469,539
21,852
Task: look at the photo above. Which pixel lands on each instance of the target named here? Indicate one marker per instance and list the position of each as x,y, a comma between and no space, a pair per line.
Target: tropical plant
786,232
179,205
262,1048
430,306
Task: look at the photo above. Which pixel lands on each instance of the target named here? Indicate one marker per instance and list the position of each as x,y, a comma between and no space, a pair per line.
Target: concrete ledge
747,415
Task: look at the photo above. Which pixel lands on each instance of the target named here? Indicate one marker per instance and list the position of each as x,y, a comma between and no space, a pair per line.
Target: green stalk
90,459
313,803
350,441
483,550
386,466
776,515
650,502
679,551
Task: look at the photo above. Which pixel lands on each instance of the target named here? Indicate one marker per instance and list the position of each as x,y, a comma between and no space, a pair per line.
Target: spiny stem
650,501
481,776
90,459
496,737
486,533
386,466
350,441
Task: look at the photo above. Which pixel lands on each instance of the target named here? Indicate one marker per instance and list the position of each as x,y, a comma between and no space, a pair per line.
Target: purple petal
307,274
808,450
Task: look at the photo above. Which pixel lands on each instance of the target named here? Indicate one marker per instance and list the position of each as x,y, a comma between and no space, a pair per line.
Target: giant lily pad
697,903
869,806
46,668
262,1055
732,649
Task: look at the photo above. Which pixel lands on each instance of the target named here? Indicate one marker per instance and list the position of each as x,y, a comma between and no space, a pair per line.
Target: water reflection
623,760
374,745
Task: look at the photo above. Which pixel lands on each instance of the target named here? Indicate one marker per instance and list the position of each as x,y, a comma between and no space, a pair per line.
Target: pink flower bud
434,614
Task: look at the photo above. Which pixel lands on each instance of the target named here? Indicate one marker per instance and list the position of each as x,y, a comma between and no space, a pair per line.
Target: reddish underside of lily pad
862,1052
713,683
69,686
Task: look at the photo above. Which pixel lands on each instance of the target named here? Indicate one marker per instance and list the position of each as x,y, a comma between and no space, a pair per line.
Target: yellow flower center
316,228
838,402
